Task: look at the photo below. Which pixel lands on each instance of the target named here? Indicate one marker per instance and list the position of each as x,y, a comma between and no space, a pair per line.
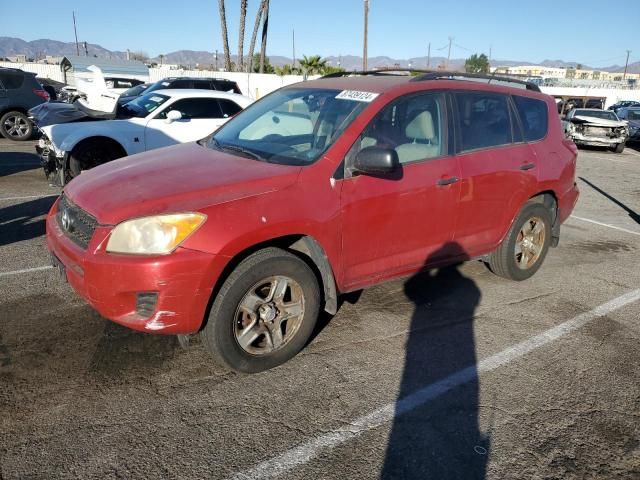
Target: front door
200,118
397,224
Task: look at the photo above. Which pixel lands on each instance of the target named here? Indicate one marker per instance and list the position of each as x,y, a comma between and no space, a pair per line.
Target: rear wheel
92,153
264,313
525,247
16,126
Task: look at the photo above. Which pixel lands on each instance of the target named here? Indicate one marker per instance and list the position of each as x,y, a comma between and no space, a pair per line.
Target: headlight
155,235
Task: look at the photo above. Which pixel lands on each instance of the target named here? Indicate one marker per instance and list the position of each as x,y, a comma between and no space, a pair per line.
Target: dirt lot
455,374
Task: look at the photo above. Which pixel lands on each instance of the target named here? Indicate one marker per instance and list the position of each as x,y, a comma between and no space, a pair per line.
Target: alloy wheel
16,126
530,243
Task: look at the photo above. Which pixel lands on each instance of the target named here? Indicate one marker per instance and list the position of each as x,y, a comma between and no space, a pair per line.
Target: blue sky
592,32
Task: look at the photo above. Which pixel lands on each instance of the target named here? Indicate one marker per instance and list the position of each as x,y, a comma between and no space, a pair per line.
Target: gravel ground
81,397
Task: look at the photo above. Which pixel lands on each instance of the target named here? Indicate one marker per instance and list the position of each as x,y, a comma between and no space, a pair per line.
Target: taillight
42,93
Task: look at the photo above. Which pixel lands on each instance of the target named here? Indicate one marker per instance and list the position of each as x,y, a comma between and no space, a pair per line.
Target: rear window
534,117
11,80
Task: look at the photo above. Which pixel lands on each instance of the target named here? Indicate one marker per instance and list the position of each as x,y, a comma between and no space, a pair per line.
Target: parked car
52,87
632,116
600,128
132,93
117,85
221,84
318,189
624,104
19,91
154,120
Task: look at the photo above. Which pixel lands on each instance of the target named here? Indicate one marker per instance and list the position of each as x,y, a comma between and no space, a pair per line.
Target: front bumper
52,164
183,281
579,139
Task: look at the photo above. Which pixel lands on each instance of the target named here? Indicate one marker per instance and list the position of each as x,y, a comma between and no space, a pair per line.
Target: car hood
180,178
600,122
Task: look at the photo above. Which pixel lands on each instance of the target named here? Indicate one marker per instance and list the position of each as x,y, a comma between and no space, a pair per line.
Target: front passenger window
412,126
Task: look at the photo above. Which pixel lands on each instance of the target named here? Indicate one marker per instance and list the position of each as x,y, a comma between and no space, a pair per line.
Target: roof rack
399,72
440,75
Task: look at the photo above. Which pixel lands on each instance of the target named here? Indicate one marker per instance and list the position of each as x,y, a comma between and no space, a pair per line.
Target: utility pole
366,33
75,31
429,56
626,65
449,54
293,43
86,49
216,59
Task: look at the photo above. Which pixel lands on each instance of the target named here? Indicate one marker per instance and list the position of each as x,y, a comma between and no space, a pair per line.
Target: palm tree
256,25
312,65
265,26
243,18
225,36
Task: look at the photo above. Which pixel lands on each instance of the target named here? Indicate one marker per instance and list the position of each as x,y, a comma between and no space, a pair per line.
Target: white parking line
26,270
306,452
26,197
632,152
605,225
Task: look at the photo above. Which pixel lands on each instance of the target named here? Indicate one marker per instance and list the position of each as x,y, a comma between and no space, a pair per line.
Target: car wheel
264,313
16,126
90,154
525,247
619,148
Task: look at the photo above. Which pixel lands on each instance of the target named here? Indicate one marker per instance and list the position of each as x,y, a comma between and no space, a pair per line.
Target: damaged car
632,116
77,137
597,128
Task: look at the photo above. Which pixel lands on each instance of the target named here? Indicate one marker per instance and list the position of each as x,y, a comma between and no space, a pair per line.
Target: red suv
320,188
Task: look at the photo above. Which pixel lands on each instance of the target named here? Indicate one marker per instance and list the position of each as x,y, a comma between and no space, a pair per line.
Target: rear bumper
183,281
567,202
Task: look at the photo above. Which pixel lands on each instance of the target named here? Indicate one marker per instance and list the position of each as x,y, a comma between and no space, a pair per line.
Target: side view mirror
173,115
376,161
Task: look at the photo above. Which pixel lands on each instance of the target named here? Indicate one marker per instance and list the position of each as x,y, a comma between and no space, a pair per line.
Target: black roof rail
442,75
400,72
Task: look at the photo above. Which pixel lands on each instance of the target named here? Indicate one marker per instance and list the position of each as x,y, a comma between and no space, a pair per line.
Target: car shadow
436,432
24,221
16,162
632,213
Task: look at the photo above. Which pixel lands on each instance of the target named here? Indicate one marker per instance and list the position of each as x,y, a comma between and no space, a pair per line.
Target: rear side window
484,120
226,86
180,84
11,80
533,116
229,108
203,84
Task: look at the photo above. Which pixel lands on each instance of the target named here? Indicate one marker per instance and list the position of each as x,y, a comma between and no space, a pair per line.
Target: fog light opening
146,303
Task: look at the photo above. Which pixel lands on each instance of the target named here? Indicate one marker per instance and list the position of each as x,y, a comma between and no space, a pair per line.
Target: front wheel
264,313
619,148
525,247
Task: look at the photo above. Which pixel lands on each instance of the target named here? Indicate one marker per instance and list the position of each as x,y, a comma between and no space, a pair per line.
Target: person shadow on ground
435,432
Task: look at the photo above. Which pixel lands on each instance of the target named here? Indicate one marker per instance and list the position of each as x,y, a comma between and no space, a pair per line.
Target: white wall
43,70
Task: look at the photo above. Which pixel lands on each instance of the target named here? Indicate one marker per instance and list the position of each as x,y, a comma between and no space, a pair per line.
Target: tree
243,18
225,36
139,55
287,70
265,26
161,56
477,64
254,35
328,69
312,65
266,67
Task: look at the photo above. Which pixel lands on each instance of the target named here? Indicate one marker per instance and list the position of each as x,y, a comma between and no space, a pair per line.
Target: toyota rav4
318,189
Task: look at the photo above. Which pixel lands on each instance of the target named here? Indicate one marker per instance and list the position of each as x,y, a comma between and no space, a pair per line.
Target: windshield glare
603,114
142,106
292,126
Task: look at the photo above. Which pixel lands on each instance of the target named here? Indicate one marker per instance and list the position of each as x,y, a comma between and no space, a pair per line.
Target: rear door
200,118
395,225
498,169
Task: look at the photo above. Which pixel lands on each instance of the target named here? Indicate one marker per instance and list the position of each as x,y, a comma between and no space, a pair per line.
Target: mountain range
37,49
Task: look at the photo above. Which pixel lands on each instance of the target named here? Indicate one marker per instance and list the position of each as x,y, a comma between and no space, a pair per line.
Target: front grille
76,224
598,131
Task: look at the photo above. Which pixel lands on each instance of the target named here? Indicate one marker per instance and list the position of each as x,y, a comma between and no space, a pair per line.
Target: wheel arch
99,138
304,246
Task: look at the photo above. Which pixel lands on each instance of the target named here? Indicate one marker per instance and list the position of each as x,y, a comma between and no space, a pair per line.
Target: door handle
527,166
447,181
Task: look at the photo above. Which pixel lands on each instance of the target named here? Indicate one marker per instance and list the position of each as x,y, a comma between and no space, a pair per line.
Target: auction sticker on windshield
357,96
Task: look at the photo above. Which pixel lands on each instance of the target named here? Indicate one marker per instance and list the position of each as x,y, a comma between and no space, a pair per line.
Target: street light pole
626,65
366,33
449,54
76,34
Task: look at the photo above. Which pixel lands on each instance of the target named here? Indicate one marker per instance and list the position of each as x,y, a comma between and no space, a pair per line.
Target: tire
619,148
506,262
89,154
16,126
242,332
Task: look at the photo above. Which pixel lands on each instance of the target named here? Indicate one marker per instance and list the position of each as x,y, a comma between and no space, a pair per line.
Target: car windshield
603,114
160,84
291,126
142,106
134,91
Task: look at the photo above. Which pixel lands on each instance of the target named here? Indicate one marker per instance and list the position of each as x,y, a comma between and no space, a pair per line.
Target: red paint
371,229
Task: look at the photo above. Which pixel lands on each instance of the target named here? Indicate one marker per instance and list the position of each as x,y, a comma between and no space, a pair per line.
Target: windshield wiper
238,149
